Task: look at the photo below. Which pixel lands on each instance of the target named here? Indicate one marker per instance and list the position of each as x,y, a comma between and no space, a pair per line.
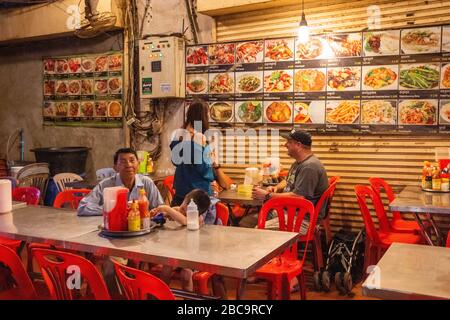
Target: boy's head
201,199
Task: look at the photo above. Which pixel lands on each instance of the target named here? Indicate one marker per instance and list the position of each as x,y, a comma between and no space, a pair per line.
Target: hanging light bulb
303,30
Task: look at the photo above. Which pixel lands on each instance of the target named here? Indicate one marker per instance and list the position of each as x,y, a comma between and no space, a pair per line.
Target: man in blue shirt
126,164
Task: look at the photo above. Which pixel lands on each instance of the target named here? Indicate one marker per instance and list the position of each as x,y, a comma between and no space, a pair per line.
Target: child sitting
207,215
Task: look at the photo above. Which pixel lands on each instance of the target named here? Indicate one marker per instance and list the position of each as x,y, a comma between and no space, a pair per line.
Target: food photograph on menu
306,80
221,111
342,111
380,77
378,112
197,83
278,111
444,112
419,76
279,50
309,112
278,81
250,52
381,43
249,111
417,112
249,82
421,40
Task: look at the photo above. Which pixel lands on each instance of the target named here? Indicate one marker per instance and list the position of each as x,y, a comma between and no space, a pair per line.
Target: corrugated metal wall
331,16
355,158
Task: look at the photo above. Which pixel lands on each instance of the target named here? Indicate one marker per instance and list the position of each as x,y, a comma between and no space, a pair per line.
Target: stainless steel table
18,205
229,251
45,224
230,197
413,199
409,271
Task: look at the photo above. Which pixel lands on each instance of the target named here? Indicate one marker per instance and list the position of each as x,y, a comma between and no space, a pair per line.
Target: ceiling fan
94,22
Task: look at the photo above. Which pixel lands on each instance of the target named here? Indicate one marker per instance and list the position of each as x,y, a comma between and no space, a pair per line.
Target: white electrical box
161,67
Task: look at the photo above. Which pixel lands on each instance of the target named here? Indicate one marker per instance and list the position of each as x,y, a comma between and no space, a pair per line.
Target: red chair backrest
448,240
297,208
30,195
24,287
333,179
222,213
138,284
327,196
168,183
362,192
71,197
377,184
59,269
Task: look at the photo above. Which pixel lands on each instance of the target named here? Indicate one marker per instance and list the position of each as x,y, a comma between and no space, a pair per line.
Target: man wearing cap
307,178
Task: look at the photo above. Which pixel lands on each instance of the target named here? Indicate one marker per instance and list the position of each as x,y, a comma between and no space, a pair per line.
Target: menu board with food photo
343,112
197,83
307,80
381,43
249,82
419,76
221,111
345,45
379,112
248,111
83,89
344,79
309,112
278,81
278,112
421,40
380,77
444,113
221,83
417,112
250,52
376,79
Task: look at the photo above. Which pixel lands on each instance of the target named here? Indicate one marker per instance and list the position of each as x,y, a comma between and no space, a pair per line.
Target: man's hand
271,189
259,193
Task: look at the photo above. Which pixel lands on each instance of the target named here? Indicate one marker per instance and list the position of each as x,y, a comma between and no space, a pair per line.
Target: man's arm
154,196
222,179
92,204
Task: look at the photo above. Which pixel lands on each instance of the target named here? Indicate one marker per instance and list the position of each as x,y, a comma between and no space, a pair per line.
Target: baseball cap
300,136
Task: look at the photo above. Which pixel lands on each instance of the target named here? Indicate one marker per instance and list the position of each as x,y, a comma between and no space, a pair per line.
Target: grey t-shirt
308,179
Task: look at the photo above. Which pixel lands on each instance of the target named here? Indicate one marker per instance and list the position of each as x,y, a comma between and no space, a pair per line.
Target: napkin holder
115,211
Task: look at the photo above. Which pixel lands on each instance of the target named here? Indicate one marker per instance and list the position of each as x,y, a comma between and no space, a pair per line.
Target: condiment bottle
143,209
436,180
134,218
149,165
428,178
426,165
192,216
445,185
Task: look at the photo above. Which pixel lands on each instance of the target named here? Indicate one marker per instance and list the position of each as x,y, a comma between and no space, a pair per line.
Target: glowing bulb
303,34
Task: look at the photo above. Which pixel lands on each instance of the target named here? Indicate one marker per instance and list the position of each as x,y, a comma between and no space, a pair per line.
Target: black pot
62,160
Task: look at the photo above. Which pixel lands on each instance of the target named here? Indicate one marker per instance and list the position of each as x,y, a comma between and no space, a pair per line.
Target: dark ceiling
6,4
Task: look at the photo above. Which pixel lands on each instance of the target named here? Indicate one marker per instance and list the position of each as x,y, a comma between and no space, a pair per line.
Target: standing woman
191,154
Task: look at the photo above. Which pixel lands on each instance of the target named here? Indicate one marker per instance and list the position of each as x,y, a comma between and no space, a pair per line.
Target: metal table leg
424,230
240,288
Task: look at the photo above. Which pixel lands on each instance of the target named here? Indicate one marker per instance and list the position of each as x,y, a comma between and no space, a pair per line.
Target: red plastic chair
448,240
138,285
287,266
325,223
168,183
201,278
397,223
30,195
58,266
378,240
315,238
23,288
72,197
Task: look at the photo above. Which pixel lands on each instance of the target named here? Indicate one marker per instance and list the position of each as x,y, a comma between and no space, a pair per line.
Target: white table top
410,271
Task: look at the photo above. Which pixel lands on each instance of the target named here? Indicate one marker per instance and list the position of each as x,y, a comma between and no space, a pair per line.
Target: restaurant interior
322,130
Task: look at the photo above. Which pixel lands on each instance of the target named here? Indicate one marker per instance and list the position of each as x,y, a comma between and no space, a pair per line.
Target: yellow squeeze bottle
134,218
